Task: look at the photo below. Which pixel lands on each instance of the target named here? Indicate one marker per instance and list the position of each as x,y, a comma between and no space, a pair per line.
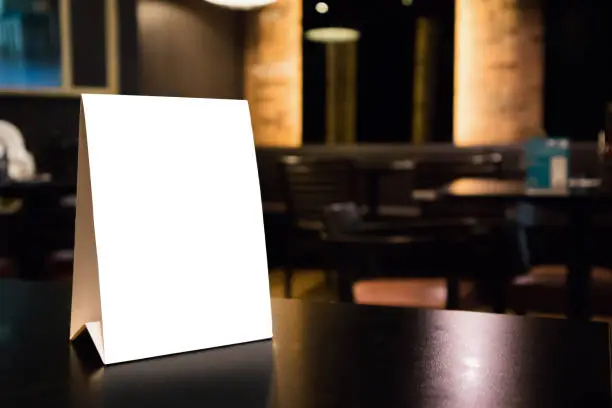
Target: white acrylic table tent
170,251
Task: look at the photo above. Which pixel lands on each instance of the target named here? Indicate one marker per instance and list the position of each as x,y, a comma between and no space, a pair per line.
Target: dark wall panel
128,51
88,23
190,48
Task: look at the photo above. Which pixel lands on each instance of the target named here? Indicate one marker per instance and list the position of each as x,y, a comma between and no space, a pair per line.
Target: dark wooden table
323,355
578,203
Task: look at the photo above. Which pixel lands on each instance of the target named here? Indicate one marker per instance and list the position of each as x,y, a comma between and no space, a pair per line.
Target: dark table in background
578,203
373,171
323,355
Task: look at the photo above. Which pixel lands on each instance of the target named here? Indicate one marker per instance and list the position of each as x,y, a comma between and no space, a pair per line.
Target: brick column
273,73
499,66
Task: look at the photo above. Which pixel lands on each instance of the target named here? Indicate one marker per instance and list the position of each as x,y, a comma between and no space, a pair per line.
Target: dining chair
358,246
308,185
542,236
493,257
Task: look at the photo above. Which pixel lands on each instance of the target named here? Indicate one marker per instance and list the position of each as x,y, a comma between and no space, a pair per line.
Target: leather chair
358,245
429,293
543,246
542,290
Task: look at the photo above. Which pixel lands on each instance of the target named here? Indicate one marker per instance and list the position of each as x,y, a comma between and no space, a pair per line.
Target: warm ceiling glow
242,4
332,35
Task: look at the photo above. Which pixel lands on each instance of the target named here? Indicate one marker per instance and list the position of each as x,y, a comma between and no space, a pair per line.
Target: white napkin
21,164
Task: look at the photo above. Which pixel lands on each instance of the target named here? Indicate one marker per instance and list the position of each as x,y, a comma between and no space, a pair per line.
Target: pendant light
242,4
331,21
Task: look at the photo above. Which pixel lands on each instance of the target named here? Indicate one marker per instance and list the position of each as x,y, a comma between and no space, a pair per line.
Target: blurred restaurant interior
436,186
390,138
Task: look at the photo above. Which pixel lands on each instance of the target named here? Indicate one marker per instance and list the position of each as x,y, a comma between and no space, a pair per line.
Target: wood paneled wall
190,48
273,73
498,71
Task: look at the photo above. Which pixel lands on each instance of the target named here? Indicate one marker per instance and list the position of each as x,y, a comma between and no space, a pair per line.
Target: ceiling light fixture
321,7
242,4
332,35
332,24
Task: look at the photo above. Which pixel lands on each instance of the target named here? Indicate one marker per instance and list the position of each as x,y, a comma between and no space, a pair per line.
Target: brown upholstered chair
543,290
430,293
366,243
543,245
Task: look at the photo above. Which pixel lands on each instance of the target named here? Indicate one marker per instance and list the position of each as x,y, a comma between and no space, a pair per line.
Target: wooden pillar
424,80
341,92
498,71
273,73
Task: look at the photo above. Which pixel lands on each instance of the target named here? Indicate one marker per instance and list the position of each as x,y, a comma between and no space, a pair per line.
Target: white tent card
170,249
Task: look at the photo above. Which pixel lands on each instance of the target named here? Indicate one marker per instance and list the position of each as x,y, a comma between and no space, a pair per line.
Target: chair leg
289,267
452,293
492,292
329,279
500,299
345,277
329,266
372,268
288,277
345,287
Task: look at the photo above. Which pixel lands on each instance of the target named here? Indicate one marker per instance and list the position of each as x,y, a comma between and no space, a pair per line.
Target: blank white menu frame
170,251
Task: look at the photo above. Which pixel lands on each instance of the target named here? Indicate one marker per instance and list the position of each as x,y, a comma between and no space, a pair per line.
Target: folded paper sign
189,272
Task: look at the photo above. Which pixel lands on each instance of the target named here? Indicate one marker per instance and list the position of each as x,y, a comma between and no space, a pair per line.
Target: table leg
579,263
373,195
345,287
452,293
344,272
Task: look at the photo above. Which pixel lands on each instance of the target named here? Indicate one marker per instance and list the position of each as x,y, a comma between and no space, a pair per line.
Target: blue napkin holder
547,163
